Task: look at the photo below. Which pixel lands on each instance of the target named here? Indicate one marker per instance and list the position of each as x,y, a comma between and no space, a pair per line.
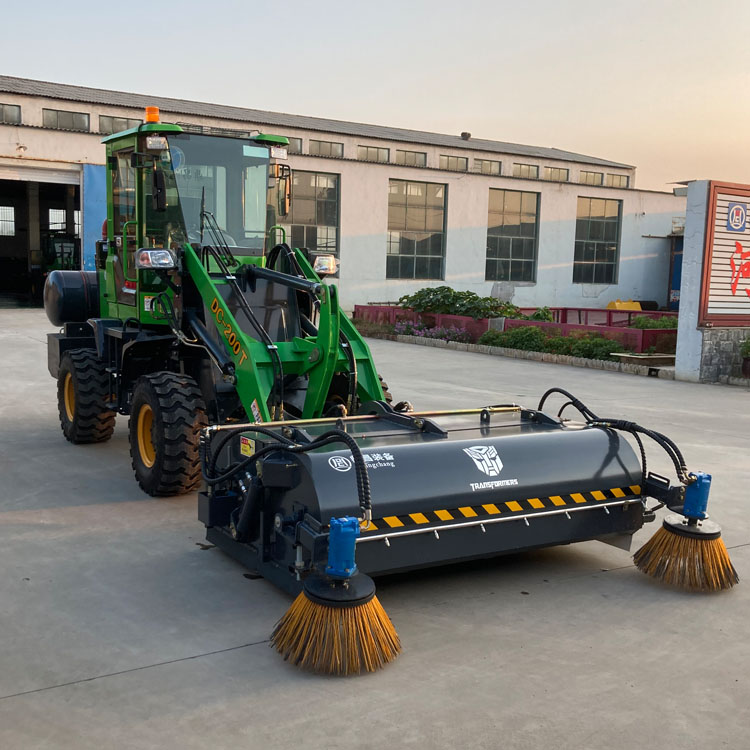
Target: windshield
229,178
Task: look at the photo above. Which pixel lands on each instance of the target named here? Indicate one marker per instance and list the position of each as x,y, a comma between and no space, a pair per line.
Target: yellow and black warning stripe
488,510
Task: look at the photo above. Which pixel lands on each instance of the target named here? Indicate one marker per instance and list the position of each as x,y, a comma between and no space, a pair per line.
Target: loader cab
167,188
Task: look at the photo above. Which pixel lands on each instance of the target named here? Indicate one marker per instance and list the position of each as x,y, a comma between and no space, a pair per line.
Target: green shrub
559,345
543,314
447,301
745,349
595,346
643,321
491,338
534,339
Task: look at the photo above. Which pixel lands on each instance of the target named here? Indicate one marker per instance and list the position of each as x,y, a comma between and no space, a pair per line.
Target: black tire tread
183,416
93,422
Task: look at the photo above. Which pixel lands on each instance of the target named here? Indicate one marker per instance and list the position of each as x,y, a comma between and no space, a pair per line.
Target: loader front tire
82,394
167,414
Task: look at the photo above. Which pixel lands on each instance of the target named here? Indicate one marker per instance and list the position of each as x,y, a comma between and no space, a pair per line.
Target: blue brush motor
342,541
696,496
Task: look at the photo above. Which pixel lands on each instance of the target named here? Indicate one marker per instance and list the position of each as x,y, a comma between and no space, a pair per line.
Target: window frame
7,221
6,121
379,151
416,236
580,243
609,180
130,122
529,167
296,140
456,159
582,181
406,153
316,147
58,112
548,170
288,221
479,167
518,239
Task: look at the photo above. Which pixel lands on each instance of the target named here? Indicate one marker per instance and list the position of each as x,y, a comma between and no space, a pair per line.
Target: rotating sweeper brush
320,506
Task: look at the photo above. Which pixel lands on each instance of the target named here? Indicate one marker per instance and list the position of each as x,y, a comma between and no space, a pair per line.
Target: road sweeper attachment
319,506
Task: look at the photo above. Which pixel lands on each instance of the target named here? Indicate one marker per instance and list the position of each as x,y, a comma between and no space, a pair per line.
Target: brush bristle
691,563
336,640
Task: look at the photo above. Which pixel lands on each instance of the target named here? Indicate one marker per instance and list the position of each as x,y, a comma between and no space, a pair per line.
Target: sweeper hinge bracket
659,488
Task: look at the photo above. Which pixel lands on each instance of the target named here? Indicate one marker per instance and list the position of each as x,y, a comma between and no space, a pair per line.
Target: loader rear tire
167,414
82,394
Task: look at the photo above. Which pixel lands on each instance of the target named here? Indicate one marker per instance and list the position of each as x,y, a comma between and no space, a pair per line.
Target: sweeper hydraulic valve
237,369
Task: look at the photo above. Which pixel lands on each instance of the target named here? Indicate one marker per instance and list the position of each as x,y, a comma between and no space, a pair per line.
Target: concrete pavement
118,629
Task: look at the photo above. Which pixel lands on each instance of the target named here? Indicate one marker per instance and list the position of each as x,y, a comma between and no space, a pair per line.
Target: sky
661,85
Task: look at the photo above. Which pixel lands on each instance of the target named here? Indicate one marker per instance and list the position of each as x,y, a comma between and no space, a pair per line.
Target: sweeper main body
239,371
445,487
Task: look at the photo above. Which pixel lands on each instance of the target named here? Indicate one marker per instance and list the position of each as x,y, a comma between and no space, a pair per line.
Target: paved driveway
119,630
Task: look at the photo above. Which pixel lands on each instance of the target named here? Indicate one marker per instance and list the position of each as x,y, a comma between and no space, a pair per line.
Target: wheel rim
69,396
145,440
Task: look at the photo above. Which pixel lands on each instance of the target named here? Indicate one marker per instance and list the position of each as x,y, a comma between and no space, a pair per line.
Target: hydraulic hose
634,429
327,438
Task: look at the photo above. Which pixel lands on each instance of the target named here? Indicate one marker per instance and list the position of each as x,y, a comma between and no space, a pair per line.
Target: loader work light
158,258
325,265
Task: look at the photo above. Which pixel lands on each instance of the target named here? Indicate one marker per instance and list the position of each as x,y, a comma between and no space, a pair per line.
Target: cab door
123,226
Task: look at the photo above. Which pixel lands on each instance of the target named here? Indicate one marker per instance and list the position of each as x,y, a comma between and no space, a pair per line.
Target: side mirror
325,265
158,190
283,174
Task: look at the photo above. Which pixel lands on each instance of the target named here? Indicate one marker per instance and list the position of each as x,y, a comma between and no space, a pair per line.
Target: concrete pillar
70,219
689,336
35,246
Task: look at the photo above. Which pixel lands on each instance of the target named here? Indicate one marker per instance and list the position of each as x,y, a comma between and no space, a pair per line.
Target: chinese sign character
739,262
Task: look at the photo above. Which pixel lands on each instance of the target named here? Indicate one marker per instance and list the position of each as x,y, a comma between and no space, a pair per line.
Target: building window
485,166
512,232
556,174
591,178
530,171
314,219
454,163
295,146
326,148
597,241
56,221
416,230
63,120
109,124
10,114
618,180
7,221
411,158
373,153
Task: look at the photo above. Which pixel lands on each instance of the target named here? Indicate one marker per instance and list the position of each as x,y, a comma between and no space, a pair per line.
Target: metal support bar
487,521
511,408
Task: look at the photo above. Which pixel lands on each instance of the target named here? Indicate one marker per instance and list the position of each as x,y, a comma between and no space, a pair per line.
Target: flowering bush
451,333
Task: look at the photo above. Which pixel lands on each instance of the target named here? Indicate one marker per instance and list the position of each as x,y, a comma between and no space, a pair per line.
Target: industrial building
402,209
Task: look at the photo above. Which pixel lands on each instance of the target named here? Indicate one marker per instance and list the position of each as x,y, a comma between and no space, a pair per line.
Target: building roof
105,97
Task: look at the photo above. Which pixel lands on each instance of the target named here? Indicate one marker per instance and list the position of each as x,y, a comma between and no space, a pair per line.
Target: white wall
644,263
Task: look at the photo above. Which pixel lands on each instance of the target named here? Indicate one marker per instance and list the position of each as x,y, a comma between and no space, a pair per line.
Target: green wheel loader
196,314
